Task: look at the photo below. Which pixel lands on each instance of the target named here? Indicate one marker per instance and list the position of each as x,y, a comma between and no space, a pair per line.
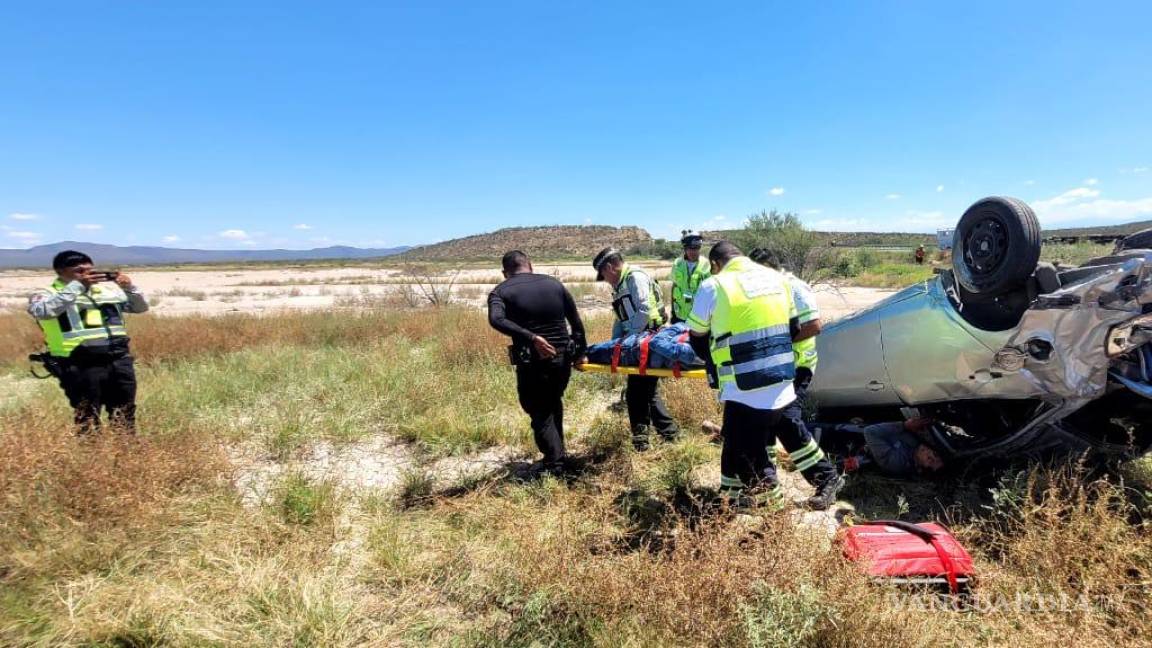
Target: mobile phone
104,275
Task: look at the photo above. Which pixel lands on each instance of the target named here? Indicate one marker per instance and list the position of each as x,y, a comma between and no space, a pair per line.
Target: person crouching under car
82,317
897,449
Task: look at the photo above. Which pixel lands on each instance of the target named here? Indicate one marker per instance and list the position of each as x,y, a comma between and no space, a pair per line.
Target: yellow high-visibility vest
685,284
751,336
95,315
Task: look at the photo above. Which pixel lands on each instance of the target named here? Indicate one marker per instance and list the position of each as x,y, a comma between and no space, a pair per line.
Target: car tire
996,246
1141,240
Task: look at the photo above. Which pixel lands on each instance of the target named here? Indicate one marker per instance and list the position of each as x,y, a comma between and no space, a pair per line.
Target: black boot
640,438
826,493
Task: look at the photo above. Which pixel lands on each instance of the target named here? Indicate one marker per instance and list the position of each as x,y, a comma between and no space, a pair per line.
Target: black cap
601,257
69,258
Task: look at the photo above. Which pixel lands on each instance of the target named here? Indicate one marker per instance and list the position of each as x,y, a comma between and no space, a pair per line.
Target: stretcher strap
644,353
949,566
616,354
676,365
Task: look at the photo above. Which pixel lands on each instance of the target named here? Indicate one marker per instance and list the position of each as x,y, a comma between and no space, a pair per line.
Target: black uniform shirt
526,305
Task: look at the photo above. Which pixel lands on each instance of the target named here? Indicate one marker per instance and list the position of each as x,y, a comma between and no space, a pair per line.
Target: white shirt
766,398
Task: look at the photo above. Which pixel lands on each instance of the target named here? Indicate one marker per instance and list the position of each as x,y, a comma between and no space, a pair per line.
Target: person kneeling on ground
82,317
898,449
536,311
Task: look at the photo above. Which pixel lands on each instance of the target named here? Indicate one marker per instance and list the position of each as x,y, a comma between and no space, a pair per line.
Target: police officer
639,306
745,319
82,316
687,275
536,311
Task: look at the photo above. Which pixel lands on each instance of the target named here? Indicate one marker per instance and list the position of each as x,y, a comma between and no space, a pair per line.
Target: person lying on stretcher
666,348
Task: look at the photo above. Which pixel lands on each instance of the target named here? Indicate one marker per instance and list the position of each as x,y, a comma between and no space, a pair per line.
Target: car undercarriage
1028,359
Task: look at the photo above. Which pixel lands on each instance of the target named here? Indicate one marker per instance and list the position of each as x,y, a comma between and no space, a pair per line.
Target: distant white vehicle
944,238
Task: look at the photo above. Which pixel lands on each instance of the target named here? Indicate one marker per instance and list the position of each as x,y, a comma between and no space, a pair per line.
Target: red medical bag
902,552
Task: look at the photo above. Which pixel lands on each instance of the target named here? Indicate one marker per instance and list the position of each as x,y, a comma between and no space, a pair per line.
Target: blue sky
303,124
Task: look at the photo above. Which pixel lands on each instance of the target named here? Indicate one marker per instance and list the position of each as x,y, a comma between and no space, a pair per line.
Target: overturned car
1027,358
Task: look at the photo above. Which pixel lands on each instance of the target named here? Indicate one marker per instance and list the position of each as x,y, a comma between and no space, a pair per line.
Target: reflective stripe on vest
94,316
622,294
805,351
685,284
751,337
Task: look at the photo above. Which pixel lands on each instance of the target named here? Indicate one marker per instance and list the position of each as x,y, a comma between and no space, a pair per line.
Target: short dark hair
514,260
68,259
723,252
766,257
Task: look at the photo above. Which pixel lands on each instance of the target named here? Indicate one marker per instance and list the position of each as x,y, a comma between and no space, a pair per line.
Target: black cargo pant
647,409
95,382
745,461
803,449
540,386
749,436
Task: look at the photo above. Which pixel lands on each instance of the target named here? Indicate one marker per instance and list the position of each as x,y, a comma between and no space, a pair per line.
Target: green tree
801,251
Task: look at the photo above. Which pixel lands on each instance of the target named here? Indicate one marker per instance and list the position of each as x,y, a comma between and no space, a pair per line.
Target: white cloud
1029,182
171,238
893,196
24,236
1136,170
839,224
918,220
302,226
776,191
24,217
1091,182
234,234
1066,198
939,188
814,212
89,226
1084,204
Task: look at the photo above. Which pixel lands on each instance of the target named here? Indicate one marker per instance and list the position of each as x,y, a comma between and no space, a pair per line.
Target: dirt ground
213,292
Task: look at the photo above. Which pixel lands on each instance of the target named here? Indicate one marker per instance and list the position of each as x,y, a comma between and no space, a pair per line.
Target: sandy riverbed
212,292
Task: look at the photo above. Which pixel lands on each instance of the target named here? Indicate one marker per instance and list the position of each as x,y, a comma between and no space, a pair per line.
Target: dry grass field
312,479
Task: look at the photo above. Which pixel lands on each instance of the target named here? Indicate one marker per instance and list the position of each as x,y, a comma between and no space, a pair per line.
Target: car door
851,370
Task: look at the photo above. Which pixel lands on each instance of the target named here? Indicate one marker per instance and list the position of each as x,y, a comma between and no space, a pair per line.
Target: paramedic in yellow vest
688,272
745,319
82,316
639,307
808,315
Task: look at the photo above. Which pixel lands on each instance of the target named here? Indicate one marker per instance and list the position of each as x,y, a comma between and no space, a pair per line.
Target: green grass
1073,254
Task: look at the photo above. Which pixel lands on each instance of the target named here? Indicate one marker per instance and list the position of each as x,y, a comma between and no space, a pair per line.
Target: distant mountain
545,242
106,255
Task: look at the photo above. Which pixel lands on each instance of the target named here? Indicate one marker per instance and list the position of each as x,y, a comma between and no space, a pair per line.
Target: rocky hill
548,242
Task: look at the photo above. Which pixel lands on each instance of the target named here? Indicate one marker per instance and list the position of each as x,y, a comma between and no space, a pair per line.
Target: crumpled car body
1061,365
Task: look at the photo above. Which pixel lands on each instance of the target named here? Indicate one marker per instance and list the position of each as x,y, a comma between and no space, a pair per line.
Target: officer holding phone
82,317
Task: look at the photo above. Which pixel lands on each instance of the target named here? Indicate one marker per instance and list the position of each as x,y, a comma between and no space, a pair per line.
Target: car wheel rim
985,246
